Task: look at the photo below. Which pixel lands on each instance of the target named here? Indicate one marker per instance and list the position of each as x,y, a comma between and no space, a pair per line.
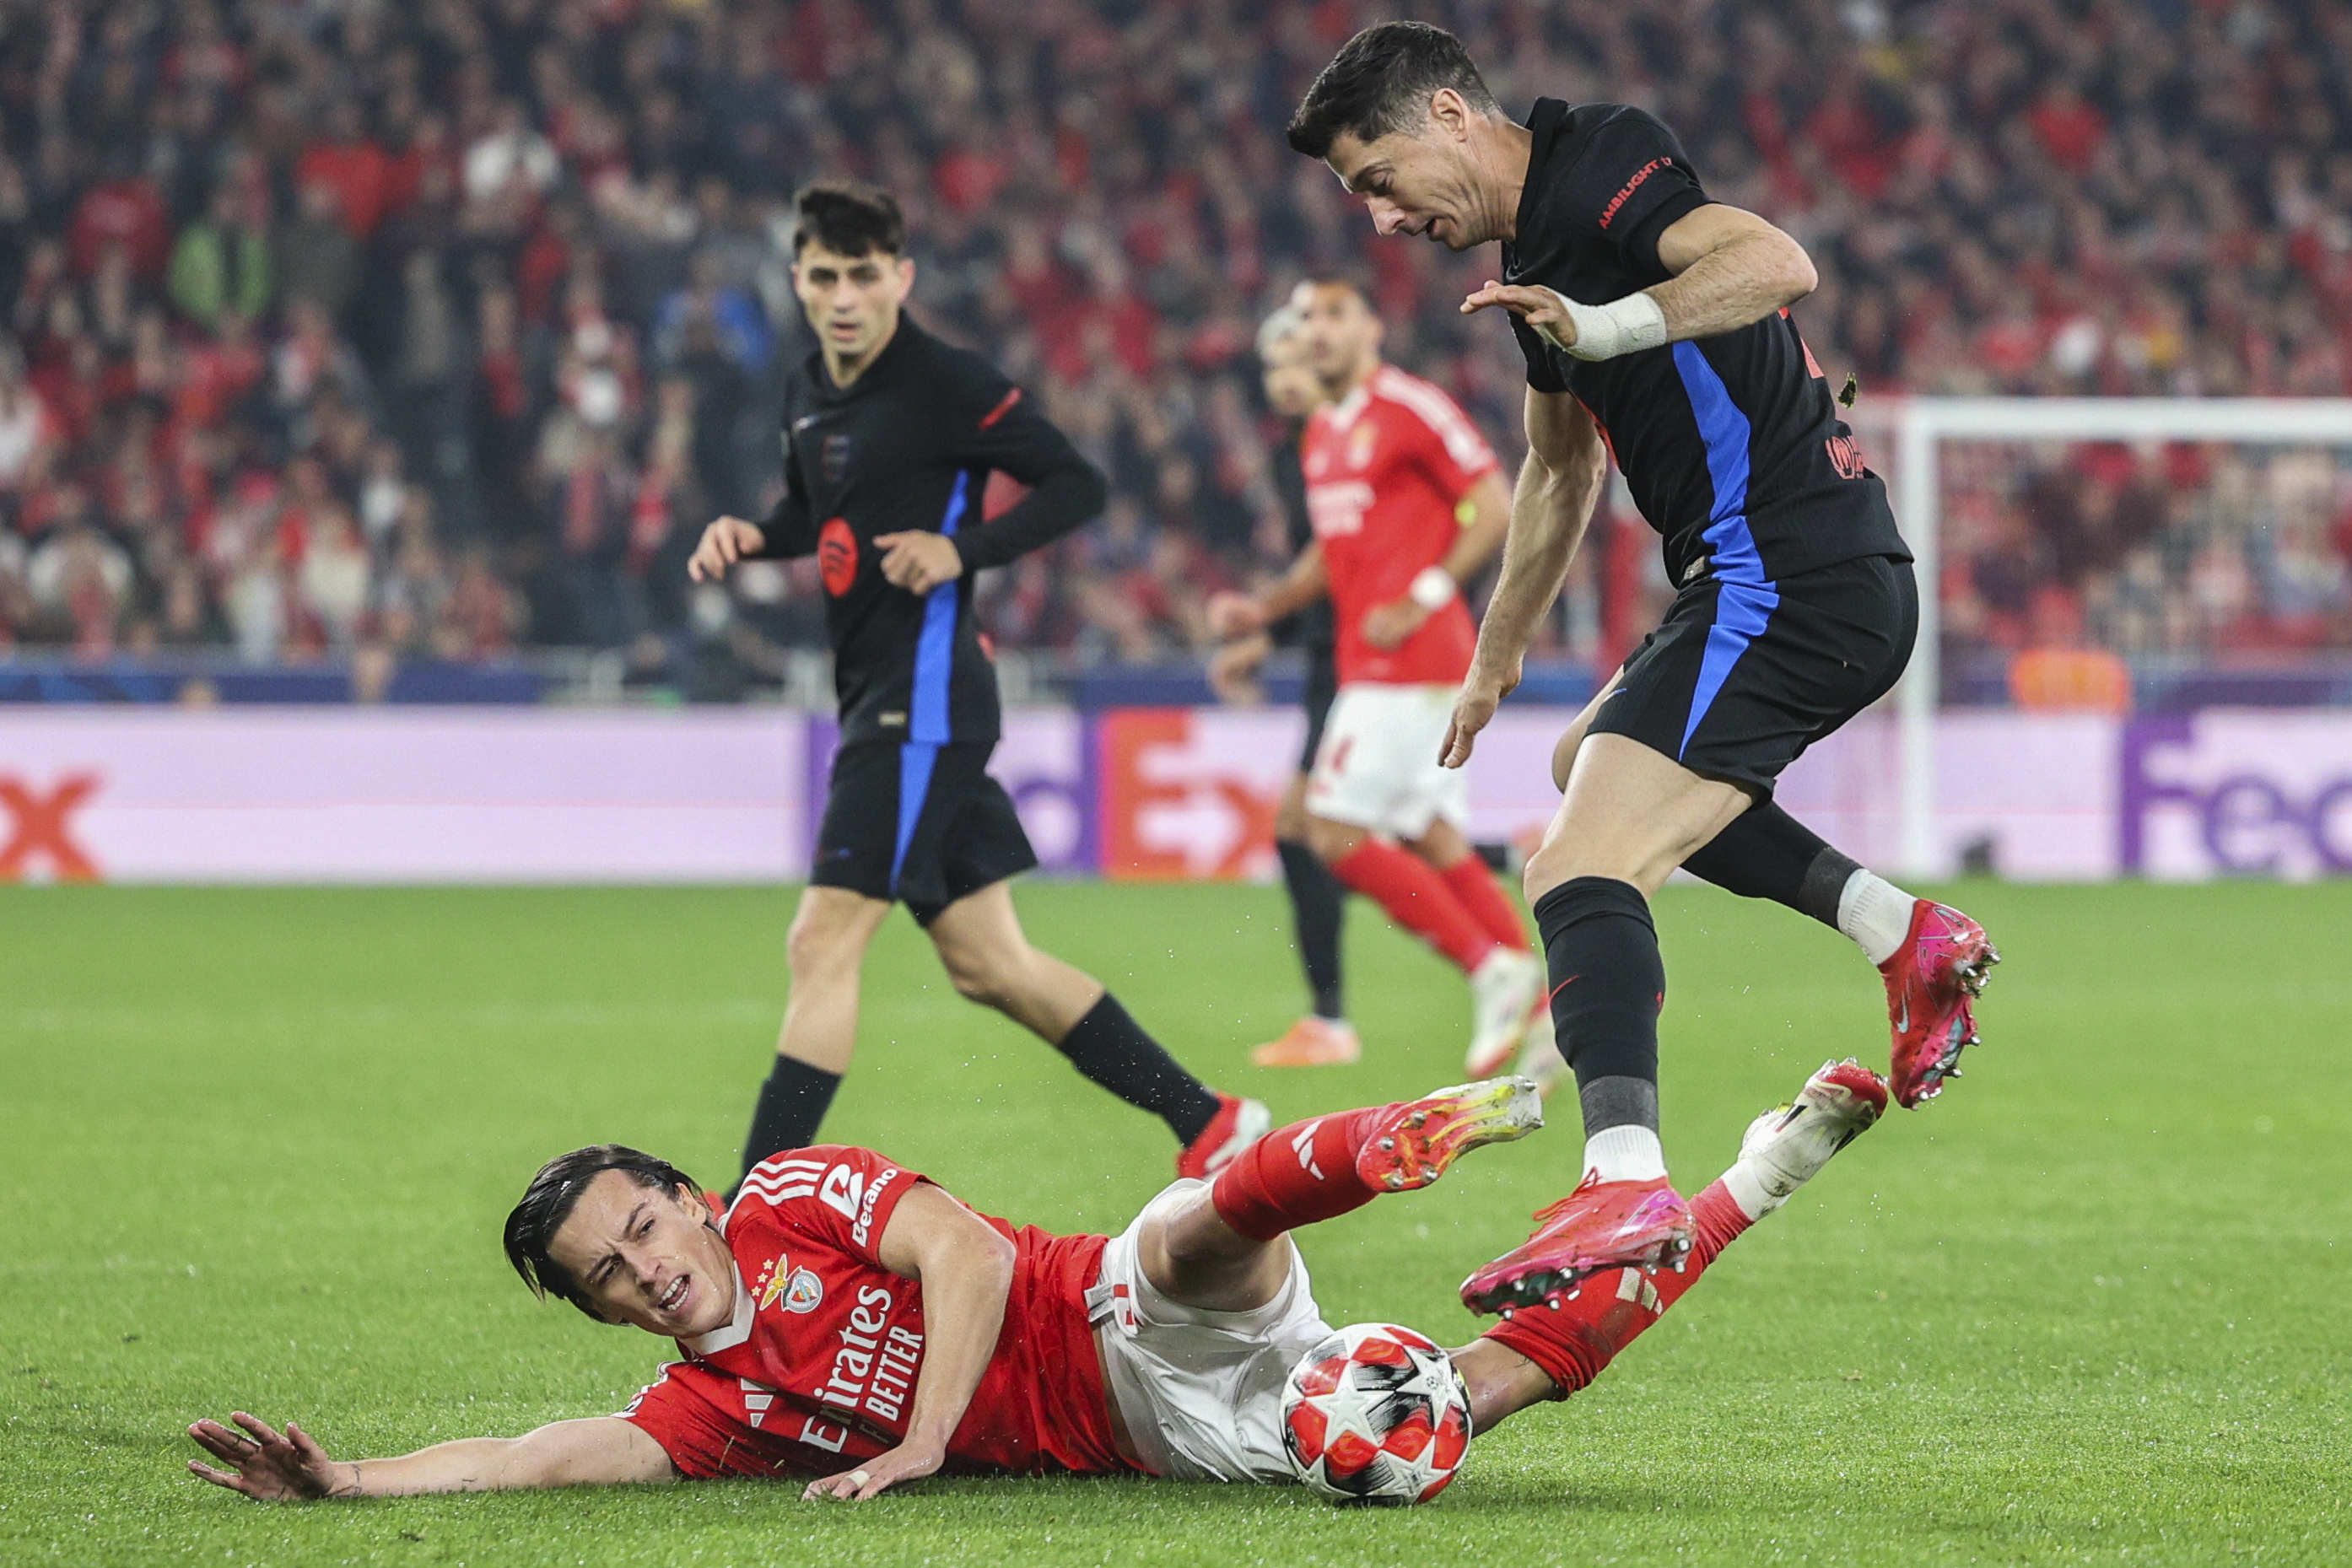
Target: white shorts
1377,767
1199,1392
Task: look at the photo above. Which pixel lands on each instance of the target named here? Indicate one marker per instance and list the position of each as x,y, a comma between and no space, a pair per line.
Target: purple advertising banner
2237,792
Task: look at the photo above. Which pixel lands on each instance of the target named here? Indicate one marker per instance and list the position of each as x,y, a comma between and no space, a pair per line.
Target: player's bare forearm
1305,582
269,1466
1483,530
1731,268
1557,485
966,1270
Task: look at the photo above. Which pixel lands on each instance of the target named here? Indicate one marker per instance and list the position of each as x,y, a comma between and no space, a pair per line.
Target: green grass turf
2090,1307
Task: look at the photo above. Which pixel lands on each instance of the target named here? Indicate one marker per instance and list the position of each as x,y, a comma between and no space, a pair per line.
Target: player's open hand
724,542
1232,615
882,1471
1386,626
1539,307
268,1467
920,560
1473,705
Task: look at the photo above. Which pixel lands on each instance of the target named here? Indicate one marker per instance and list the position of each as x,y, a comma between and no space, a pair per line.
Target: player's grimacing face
647,1256
1419,183
851,301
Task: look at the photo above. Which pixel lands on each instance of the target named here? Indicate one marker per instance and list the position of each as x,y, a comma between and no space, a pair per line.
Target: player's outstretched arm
269,1465
1557,485
966,1270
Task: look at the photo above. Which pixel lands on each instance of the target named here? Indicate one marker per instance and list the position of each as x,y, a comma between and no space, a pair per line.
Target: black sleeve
1630,182
992,424
791,528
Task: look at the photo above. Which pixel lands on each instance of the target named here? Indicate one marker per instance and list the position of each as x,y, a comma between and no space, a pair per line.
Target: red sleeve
841,1195
711,1425
1444,443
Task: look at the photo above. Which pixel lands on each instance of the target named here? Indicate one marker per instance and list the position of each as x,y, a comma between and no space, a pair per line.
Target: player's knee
991,979
1331,840
817,948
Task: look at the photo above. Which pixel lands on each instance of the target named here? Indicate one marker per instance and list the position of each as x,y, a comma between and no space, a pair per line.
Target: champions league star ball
1376,1414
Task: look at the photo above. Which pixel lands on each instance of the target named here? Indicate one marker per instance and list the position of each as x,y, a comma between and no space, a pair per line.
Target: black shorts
1322,687
921,824
1739,678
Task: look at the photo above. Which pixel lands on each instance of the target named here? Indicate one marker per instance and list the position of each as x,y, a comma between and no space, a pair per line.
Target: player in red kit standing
1406,501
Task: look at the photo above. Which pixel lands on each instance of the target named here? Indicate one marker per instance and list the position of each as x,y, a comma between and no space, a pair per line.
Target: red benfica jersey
817,1370
1387,468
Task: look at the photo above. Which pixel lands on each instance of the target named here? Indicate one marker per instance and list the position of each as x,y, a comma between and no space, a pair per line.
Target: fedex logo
39,827
2237,793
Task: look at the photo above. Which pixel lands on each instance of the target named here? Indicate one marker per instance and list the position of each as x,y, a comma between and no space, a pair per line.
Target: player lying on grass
849,1321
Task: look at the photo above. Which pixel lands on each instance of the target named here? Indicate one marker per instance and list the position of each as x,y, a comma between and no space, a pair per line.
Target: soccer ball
1375,1414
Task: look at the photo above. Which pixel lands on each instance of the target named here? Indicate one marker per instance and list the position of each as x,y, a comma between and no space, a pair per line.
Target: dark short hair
549,1200
848,217
1380,82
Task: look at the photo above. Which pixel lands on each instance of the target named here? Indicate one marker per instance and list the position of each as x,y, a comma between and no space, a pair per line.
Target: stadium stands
439,328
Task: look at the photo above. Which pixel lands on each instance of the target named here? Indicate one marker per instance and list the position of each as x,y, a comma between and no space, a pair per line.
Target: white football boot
1539,1057
1787,1146
1502,993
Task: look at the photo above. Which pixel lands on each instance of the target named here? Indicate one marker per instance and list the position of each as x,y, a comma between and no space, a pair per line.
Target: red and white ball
1376,1414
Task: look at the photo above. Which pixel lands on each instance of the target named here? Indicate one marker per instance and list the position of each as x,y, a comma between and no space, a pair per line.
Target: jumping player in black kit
1655,322
890,438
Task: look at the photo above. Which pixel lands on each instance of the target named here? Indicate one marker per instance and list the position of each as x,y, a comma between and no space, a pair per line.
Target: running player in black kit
1656,322
889,437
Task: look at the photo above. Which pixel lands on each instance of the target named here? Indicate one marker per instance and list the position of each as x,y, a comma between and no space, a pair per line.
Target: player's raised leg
1550,1352
990,960
1217,1247
825,952
1934,959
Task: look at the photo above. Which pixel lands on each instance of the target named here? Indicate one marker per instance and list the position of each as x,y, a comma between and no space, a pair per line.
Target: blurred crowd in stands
440,327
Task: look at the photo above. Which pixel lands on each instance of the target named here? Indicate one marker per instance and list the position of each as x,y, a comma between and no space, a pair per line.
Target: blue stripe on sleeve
1744,597
928,726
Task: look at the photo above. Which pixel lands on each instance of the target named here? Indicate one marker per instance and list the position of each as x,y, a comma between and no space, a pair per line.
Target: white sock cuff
1876,913
1747,1190
1627,1152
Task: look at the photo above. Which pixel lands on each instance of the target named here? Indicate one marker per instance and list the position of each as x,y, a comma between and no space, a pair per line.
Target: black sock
1607,985
1316,899
793,1104
1767,853
1111,1049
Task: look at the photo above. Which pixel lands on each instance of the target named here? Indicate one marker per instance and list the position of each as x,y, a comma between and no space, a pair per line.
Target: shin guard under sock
1417,898
1316,900
1572,1343
1608,983
1483,896
1112,1049
1298,1175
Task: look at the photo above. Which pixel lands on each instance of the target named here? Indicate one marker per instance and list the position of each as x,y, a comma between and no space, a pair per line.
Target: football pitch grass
2090,1307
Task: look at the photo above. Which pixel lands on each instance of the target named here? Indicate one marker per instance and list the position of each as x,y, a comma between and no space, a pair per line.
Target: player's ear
1449,113
906,276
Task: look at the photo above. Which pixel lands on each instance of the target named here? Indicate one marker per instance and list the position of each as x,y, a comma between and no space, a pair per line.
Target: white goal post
1921,425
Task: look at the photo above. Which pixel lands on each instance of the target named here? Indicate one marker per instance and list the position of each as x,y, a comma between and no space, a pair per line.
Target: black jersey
1731,446
910,445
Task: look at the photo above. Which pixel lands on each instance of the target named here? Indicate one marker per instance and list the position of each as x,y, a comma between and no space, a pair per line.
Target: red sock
1478,891
1417,898
1573,1343
1298,1175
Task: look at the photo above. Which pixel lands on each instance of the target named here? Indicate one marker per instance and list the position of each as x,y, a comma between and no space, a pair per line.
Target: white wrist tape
1433,589
1623,326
